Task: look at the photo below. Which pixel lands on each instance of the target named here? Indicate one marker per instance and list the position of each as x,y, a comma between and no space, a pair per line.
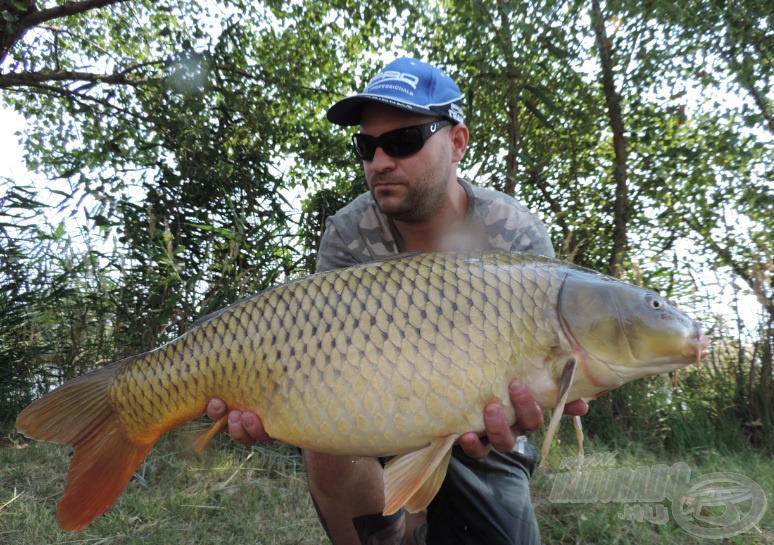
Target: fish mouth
699,346
608,374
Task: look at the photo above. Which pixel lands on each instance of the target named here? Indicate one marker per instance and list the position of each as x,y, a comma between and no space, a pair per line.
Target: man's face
413,188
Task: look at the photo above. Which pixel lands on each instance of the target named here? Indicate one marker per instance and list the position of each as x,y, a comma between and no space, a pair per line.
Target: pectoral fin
412,480
563,386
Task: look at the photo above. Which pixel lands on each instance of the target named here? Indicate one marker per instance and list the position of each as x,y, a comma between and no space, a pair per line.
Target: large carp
397,357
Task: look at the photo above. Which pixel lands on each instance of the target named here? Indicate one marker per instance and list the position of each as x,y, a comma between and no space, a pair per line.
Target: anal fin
412,480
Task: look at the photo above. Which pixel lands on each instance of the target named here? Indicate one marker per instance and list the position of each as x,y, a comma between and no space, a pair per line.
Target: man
412,137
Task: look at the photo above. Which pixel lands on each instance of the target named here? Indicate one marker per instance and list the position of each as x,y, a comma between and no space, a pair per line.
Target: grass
235,495
228,495
595,522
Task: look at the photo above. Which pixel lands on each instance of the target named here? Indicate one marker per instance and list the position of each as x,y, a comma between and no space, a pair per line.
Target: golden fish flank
394,357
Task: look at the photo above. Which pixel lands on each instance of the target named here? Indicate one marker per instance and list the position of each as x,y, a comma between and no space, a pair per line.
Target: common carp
392,358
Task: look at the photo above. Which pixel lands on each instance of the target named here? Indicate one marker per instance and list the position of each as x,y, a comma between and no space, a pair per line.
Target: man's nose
382,161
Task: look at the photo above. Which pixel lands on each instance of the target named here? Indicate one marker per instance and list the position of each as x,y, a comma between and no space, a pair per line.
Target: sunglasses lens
365,146
403,142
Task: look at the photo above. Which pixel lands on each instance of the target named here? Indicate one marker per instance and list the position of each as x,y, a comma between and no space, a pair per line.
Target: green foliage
53,320
319,207
606,522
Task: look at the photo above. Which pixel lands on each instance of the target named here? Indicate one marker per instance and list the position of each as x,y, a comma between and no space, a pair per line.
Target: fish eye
656,303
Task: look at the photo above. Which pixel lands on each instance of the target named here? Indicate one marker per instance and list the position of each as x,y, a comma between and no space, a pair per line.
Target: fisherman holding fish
412,137
387,357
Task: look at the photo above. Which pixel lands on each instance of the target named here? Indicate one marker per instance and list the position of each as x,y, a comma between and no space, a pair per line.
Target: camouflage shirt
361,233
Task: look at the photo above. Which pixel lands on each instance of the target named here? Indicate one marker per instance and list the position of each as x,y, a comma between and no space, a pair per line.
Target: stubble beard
422,200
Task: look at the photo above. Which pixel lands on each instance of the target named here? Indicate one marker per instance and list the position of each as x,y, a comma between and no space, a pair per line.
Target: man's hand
529,417
245,427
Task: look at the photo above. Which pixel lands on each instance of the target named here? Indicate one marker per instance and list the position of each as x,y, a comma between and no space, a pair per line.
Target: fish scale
358,333
354,338
397,357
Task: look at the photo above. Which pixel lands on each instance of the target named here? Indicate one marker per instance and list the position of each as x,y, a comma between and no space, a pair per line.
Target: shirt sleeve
509,224
333,252
538,240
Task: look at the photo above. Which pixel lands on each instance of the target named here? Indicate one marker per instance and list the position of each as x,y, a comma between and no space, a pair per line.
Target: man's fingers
216,409
498,434
246,428
576,408
473,446
497,430
237,430
254,428
529,416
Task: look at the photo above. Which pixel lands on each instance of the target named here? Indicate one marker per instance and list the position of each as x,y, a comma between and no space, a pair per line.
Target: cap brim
346,112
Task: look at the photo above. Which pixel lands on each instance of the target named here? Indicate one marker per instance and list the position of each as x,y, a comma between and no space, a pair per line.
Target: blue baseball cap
408,84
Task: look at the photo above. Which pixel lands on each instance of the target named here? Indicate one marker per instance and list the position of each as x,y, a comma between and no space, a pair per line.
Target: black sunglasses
398,143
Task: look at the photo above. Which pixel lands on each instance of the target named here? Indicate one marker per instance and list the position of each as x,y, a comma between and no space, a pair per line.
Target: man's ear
459,139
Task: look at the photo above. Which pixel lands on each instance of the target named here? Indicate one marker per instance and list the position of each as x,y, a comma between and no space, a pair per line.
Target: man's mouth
385,185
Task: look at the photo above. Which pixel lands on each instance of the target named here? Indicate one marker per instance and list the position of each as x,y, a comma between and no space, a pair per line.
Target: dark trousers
485,502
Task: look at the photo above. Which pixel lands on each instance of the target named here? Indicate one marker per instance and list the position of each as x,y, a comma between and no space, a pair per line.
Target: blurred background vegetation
180,160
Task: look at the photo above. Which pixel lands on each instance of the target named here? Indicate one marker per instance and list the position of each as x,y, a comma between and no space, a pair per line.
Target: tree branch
68,8
31,79
569,245
762,105
31,16
83,99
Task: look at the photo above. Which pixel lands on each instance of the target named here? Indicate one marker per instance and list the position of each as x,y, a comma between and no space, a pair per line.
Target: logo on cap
393,75
455,112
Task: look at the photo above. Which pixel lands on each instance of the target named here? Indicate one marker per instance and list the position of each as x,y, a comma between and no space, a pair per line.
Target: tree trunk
613,103
514,137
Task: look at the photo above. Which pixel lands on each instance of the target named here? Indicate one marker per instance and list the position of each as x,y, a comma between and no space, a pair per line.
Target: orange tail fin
79,414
